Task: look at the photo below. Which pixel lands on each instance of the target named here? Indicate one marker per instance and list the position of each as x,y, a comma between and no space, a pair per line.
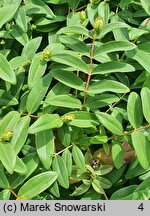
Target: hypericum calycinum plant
75,99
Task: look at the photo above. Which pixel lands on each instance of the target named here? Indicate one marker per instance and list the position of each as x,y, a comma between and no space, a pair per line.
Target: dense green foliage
74,99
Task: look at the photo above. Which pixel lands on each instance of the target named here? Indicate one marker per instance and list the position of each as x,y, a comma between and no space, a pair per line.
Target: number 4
141,207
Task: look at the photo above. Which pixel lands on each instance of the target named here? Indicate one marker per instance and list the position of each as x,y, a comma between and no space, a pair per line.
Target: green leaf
99,139
90,168
59,87
115,175
83,119
145,5
39,7
21,19
53,48
8,11
144,187
45,147
135,169
70,59
113,46
120,34
68,101
145,94
59,166
83,188
103,169
7,99
6,71
124,193
18,61
140,56
20,167
64,134
135,33
110,122
145,47
36,185
31,47
67,157
36,70
117,154
54,189
134,110
15,90
20,134
110,27
75,44
104,11
7,157
92,11
73,4
113,67
124,3
5,194
68,78
104,183
31,162
3,180
107,85
102,100
19,35
37,93
72,30
97,187
78,157
141,146
45,122
9,121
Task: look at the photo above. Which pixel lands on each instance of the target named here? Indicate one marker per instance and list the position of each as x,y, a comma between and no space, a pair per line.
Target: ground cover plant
74,99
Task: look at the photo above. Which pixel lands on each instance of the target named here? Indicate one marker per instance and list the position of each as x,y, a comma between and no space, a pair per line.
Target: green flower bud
47,54
67,117
7,26
32,27
98,24
82,16
6,135
2,42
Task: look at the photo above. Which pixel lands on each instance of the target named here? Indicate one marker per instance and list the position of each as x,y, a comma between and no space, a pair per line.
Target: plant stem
80,8
89,75
115,103
32,116
129,132
13,192
138,129
55,154
105,196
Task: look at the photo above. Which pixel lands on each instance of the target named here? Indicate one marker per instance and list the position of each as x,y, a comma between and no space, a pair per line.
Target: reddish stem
13,192
129,132
32,116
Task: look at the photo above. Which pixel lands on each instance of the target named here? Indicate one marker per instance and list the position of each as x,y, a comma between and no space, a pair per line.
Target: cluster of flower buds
6,136
47,54
67,117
